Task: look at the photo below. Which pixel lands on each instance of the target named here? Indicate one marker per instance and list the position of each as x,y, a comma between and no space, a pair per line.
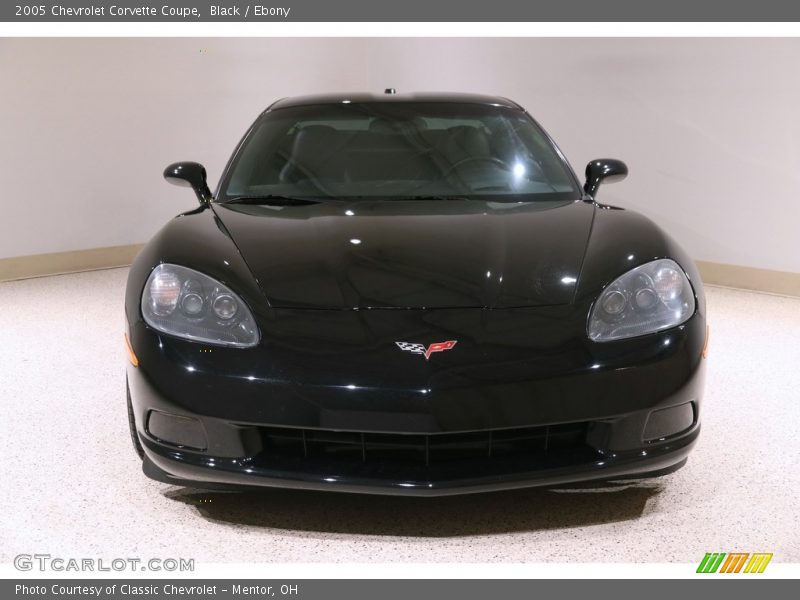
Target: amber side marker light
132,355
705,345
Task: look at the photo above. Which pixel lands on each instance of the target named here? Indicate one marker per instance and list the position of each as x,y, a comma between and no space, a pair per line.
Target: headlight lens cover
185,303
649,298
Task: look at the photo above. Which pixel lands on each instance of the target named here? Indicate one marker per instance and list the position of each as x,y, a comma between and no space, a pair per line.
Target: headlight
187,304
649,298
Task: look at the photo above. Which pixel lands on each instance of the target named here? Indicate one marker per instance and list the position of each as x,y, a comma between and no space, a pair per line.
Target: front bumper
509,419
181,468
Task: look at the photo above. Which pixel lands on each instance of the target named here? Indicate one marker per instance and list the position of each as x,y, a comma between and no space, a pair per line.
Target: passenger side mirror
603,170
190,174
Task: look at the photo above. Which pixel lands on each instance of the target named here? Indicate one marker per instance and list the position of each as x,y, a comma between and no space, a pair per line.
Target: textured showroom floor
72,486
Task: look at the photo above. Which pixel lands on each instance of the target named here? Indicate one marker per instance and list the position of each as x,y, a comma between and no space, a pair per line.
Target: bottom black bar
389,589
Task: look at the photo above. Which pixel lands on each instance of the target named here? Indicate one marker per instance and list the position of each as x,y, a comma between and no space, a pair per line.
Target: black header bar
398,11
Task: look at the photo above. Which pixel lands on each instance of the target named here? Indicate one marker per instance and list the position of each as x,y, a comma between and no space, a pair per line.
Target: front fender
621,240
197,240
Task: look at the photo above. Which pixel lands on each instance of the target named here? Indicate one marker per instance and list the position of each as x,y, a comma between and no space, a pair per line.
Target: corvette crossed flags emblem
426,352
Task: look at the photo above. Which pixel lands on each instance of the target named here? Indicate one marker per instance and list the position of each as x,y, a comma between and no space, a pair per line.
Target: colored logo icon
426,352
734,562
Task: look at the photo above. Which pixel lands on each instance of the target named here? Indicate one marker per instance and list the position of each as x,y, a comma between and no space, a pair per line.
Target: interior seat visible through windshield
384,150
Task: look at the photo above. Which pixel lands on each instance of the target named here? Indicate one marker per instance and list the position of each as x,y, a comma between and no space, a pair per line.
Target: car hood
412,254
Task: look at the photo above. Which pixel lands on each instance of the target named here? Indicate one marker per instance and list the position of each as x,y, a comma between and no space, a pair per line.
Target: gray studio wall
88,125
709,127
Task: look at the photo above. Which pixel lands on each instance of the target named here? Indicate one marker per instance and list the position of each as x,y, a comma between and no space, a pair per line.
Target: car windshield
398,151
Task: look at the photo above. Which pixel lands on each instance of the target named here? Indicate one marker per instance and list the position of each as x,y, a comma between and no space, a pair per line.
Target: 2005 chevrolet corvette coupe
409,294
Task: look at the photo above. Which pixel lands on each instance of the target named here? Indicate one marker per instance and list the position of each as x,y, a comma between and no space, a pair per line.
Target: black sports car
409,294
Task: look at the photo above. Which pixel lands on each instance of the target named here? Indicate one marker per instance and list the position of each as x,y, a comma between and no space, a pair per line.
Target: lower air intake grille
422,449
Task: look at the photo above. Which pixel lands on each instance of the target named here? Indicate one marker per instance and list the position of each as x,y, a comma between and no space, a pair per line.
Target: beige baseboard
749,278
58,263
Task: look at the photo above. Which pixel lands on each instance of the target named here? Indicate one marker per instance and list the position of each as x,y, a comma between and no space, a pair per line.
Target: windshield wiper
277,200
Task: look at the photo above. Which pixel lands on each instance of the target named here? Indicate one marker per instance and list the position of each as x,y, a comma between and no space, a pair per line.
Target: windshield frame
577,194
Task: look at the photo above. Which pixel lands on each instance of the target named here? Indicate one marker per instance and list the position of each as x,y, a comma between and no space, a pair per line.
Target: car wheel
137,445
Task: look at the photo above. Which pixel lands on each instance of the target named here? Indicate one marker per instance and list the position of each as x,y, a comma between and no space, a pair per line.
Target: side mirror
603,170
190,174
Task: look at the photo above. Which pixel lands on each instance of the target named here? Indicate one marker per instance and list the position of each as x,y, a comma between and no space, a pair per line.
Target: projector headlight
649,298
185,303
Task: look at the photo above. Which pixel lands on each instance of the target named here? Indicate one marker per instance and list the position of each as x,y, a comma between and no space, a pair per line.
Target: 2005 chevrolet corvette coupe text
409,294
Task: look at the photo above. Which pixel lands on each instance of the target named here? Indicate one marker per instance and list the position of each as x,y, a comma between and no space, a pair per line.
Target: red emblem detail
426,352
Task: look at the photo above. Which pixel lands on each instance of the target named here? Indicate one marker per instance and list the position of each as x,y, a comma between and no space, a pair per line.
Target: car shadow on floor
475,514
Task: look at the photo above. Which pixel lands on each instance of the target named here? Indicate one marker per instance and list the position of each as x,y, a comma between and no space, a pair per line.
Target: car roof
364,98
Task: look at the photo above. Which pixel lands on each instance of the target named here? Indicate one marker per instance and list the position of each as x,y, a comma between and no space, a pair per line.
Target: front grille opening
422,449
382,447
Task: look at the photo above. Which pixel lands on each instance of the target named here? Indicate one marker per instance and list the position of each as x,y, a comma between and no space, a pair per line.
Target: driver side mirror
190,174
603,170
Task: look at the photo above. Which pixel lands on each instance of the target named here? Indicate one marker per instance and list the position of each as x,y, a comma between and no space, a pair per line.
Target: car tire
137,445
